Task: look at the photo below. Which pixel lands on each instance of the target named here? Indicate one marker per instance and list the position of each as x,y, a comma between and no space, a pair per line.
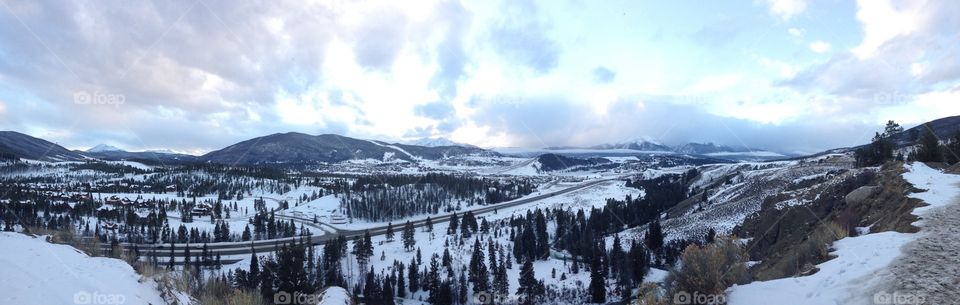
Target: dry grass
651,294
711,269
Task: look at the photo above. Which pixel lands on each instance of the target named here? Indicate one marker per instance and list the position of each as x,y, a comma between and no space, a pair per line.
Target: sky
198,75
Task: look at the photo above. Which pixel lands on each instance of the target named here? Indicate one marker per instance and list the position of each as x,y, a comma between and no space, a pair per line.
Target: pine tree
408,236
454,224
929,150
501,284
389,232
479,275
531,289
401,283
654,237
639,262
598,285
414,276
254,269
246,234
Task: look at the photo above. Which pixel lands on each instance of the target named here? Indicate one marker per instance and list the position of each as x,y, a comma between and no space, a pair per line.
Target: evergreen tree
254,269
929,150
530,290
401,283
654,237
389,232
454,224
414,276
598,285
479,275
408,236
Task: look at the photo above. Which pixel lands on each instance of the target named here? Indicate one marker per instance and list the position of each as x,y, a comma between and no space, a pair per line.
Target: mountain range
299,148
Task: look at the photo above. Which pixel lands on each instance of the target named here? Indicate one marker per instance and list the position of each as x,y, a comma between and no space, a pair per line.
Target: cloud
796,32
603,75
555,121
451,54
888,68
786,9
820,47
718,33
380,38
883,21
435,110
521,39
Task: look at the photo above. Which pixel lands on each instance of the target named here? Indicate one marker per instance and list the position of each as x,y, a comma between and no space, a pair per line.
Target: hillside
299,148
17,145
41,273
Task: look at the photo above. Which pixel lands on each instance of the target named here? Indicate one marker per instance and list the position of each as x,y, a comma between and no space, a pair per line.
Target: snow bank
941,188
839,280
36,272
335,296
847,278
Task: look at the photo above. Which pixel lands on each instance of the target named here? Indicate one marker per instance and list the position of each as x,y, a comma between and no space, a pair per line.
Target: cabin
202,209
338,219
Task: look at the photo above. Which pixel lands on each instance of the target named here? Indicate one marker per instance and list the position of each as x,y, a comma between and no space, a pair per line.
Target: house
338,219
106,225
114,200
202,209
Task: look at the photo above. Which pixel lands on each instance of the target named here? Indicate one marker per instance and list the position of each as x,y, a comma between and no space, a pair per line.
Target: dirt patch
930,266
889,209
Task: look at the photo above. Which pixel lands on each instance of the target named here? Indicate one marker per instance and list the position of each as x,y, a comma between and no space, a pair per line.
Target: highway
269,245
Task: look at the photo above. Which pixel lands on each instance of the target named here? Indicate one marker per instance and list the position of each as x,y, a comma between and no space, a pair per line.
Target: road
270,245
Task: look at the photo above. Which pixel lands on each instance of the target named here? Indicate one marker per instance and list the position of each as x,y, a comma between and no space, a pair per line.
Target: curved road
269,245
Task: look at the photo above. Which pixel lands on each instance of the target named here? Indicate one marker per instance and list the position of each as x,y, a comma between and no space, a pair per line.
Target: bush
710,269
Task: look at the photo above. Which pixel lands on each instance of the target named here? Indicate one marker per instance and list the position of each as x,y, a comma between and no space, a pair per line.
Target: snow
839,281
436,142
335,296
756,153
941,189
38,273
103,148
852,277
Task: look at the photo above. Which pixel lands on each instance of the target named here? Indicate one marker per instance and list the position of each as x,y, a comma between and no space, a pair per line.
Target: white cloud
796,32
820,46
786,9
716,83
883,20
784,69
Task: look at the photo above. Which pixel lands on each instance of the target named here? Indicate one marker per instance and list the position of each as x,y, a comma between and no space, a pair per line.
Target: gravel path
929,269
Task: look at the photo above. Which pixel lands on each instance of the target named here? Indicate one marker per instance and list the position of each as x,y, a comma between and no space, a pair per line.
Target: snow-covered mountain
436,142
162,151
103,148
15,145
641,143
728,152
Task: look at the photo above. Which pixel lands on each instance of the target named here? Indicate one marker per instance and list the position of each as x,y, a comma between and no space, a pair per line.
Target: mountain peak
642,143
436,142
103,148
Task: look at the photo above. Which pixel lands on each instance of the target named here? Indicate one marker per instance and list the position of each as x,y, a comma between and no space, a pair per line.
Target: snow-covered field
36,272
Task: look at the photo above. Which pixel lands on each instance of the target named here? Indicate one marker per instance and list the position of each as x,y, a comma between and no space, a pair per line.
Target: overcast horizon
195,76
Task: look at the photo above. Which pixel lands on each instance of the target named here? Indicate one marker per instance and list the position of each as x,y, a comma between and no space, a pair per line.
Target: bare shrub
710,269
